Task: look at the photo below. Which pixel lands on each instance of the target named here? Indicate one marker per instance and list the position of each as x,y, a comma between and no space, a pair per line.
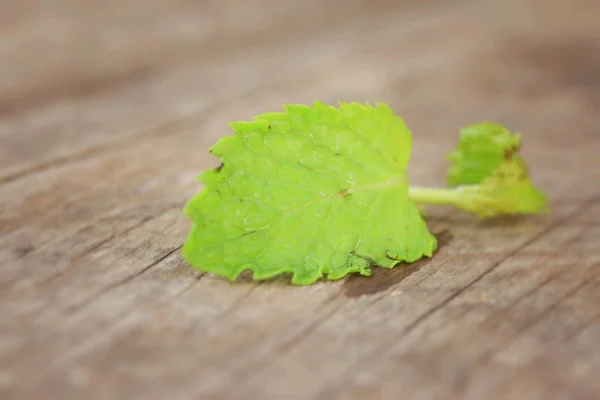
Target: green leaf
491,176
313,191
508,190
481,149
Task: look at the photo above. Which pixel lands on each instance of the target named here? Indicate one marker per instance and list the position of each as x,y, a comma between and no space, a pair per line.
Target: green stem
435,196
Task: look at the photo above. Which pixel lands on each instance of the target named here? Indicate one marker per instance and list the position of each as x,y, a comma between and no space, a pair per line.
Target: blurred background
75,74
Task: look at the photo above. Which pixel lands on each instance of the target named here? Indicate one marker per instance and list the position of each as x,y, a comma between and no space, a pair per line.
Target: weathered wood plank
97,303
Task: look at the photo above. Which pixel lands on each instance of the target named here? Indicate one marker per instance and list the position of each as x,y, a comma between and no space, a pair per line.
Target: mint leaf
481,149
490,174
507,190
313,191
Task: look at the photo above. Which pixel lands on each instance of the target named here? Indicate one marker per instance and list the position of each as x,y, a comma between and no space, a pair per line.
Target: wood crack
123,281
72,263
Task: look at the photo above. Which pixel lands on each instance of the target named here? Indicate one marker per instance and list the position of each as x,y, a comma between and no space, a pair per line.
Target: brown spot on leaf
509,153
344,193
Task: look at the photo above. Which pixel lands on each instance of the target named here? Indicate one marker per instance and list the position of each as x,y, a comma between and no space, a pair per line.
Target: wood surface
107,110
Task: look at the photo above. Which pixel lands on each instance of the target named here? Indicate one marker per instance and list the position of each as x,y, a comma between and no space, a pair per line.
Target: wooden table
107,110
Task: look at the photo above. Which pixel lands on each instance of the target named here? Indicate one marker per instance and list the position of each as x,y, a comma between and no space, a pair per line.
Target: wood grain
106,114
